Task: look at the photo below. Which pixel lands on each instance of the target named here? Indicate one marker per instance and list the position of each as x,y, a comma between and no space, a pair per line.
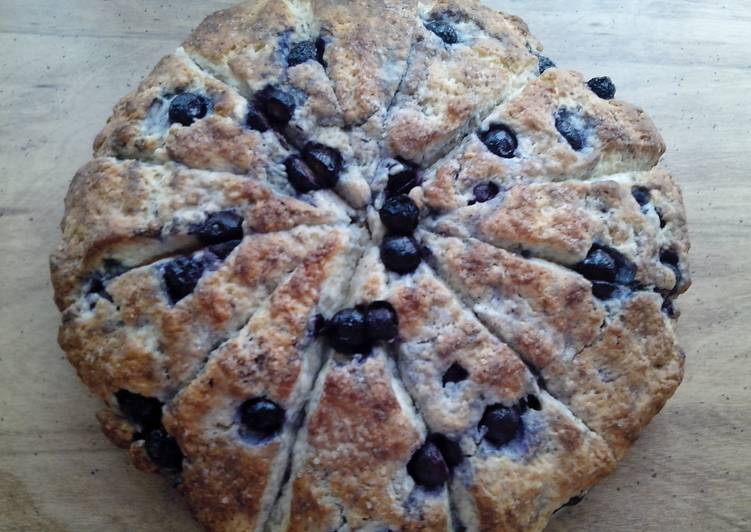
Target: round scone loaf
373,265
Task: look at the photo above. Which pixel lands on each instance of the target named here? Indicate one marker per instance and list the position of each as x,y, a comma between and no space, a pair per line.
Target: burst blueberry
219,227
187,107
181,276
444,30
602,87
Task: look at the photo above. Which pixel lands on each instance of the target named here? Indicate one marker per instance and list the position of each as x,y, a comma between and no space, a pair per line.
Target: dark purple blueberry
347,331
255,119
602,87
531,402
544,63
565,123
163,450
400,254
186,108
670,258
450,450
500,424
320,50
444,30
278,106
402,181
400,214
219,227
97,286
261,418
485,192
318,325
324,161
144,411
455,373
668,308
427,467
607,264
302,52
381,322
300,176
181,276
223,250
604,290
642,195
500,140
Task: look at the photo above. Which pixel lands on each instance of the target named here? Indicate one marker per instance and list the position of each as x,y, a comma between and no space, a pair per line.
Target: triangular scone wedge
357,411
615,137
232,476
121,214
566,221
457,372
132,335
614,363
449,87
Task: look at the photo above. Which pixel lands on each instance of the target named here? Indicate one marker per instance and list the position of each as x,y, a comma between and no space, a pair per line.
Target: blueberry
455,373
602,87
427,467
181,276
485,192
400,214
400,254
501,424
300,176
278,106
450,450
219,227
97,286
324,161
608,265
255,119
532,402
444,30
668,308
223,249
642,195
381,322
544,63
566,126
347,331
603,289
538,376
261,418
163,450
187,107
318,325
670,258
500,140
302,52
145,411
402,181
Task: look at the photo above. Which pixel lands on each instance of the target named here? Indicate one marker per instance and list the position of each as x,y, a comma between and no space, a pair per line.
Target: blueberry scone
373,265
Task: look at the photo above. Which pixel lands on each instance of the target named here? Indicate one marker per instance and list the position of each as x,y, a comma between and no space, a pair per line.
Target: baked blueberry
400,214
607,264
566,124
278,106
255,119
302,52
668,308
187,107
163,450
400,254
500,424
324,161
455,373
261,418
347,331
602,87
97,286
603,289
402,181
427,467
318,325
450,450
544,63
381,322
444,30
223,249
144,411
500,140
219,227
531,402
181,276
669,258
299,175
642,195
485,192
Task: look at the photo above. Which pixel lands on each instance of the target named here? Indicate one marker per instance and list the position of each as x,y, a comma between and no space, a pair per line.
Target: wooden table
65,63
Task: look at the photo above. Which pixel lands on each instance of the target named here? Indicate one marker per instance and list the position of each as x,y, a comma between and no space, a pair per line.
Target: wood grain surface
64,64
